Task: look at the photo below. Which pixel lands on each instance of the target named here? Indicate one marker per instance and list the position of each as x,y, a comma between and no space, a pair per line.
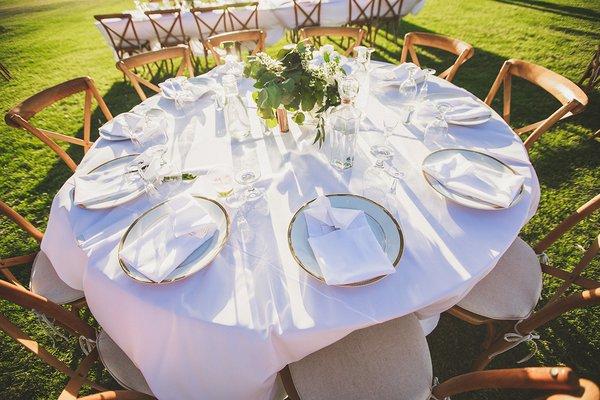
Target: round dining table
225,331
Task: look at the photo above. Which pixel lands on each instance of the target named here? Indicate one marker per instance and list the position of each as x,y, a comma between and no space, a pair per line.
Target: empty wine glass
151,128
390,123
247,176
408,92
396,174
382,151
429,72
437,130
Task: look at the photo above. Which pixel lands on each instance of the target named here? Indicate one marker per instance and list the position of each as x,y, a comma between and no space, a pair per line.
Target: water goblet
390,123
408,92
382,151
437,130
429,72
247,176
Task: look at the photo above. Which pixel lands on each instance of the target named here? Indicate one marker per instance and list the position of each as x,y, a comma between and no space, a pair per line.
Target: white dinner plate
440,97
117,200
475,157
199,259
385,228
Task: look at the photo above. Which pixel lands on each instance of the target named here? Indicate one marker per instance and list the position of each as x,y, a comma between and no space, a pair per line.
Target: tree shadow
564,10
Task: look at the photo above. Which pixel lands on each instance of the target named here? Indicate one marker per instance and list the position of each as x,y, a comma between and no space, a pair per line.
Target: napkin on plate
397,75
104,185
123,126
165,245
344,245
465,108
466,177
180,90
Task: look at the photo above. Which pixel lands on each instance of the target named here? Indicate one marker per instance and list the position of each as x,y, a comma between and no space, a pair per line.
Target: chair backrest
360,13
316,32
168,26
125,40
257,36
557,383
307,13
574,275
243,16
20,115
61,317
7,263
389,10
169,53
461,49
208,26
572,98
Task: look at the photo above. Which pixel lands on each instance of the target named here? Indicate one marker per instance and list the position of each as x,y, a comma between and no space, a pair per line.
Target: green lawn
44,42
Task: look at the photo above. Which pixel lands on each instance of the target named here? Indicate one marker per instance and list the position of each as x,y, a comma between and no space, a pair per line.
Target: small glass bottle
237,120
343,125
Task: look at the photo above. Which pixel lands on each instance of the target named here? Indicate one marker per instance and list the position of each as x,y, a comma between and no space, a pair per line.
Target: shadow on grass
559,9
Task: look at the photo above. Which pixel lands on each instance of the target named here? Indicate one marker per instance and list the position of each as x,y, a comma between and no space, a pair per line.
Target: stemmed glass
152,126
437,130
247,176
382,151
429,72
408,92
390,123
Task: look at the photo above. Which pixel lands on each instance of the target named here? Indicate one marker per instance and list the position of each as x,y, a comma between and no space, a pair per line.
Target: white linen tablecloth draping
274,16
226,331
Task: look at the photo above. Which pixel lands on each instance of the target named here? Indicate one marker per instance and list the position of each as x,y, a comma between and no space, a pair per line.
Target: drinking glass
408,92
152,127
382,151
437,130
429,72
247,176
390,123
222,181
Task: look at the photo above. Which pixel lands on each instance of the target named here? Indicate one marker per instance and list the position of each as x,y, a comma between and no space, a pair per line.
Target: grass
44,42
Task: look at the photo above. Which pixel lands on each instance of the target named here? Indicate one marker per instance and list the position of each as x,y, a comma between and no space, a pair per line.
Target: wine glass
382,151
437,130
152,127
247,176
222,181
429,72
390,123
408,92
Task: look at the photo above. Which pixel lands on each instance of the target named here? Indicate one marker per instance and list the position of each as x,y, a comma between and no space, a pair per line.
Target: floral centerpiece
300,80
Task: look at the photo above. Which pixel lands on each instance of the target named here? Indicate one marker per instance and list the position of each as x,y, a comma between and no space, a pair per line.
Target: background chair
20,115
43,279
388,15
243,16
236,38
572,98
510,292
354,35
362,15
113,358
463,50
591,76
125,42
305,15
391,361
168,27
207,27
140,60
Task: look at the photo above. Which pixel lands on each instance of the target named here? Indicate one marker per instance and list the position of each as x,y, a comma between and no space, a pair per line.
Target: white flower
327,49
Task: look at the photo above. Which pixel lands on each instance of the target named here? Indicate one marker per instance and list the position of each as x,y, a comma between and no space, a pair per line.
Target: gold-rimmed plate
386,229
475,157
199,259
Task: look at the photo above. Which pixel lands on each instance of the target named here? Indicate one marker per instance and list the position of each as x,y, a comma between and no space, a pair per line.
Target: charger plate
199,259
475,157
384,226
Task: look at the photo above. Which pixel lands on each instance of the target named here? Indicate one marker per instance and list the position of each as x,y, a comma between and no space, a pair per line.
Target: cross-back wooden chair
363,15
125,41
94,345
20,115
389,14
463,50
168,27
170,53
43,280
206,26
391,360
354,35
573,100
243,16
257,36
591,76
306,14
510,292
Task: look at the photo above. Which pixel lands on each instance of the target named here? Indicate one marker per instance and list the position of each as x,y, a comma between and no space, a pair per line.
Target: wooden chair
43,279
352,34
591,76
306,14
168,27
362,16
463,50
257,36
243,16
113,358
389,14
391,360
125,42
139,60
510,292
20,115
205,26
572,98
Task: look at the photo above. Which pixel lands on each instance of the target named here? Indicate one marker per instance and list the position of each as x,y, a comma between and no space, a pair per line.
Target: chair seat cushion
512,289
385,361
119,365
45,282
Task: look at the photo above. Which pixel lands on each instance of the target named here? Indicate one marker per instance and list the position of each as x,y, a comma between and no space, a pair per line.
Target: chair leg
490,335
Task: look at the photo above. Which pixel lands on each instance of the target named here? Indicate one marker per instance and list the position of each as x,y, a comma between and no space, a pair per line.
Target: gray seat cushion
45,282
385,361
512,289
120,366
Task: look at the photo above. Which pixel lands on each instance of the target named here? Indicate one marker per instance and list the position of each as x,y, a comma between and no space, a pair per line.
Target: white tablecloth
226,331
274,16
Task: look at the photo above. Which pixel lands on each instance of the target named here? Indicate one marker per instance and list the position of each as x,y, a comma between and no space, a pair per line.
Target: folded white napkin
464,108
397,75
103,185
466,177
180,90
123,126
165,245
346,249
